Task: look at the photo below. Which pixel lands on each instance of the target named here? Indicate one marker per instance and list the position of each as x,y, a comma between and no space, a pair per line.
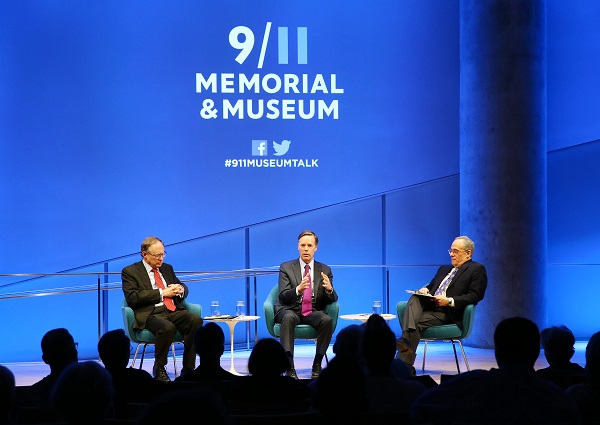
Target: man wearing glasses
154,293
449,292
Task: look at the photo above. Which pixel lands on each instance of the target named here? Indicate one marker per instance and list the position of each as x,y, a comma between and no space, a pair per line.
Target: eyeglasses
76,344
159,256
456,251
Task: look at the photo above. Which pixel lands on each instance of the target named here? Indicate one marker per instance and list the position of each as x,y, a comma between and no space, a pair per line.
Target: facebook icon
259,148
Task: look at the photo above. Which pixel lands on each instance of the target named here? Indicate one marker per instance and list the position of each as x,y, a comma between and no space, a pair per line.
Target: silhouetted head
347,342
558,342
516,342
114,349
209,341
267,358
83,393
58,349
378,345
7,390
341,391
592,360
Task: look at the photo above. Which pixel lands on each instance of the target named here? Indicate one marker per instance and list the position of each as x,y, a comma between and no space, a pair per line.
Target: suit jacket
139,293
290,276
467,287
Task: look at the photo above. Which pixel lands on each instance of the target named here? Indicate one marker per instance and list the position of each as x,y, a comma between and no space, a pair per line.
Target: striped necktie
446,282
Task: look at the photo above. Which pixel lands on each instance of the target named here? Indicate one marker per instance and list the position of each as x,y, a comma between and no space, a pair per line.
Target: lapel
144,275
459,272
317,282
297,272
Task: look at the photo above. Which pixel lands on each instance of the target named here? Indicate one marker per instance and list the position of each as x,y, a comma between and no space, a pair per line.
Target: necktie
167,300
446,282
307,294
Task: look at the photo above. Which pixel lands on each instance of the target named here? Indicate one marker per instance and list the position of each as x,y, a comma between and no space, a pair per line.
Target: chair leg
464,355
424,356
174,362
143,355
455,355
135,354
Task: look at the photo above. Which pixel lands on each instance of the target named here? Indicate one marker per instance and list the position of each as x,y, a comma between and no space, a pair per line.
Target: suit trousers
164,324
420,314
319,320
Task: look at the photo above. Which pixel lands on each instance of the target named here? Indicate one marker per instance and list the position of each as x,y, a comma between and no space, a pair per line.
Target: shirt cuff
450,302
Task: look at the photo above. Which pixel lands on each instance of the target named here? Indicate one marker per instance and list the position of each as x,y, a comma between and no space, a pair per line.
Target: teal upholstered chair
302,331
450,333
145,337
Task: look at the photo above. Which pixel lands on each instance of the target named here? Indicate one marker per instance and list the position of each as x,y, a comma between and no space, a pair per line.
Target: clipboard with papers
419,293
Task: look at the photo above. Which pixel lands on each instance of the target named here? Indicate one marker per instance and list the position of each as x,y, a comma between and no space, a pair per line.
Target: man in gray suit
305,290
154,293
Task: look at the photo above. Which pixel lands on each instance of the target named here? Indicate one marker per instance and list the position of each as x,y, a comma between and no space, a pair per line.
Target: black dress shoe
316,371
160,374
291,373
185,371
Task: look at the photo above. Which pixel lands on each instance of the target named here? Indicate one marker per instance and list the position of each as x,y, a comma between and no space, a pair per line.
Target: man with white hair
444,299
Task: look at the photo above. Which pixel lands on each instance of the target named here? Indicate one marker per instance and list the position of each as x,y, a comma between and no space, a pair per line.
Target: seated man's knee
168,330
289,320
196,320
326,321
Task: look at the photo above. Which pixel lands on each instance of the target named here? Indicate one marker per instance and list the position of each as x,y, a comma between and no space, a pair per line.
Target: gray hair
468,244
148,242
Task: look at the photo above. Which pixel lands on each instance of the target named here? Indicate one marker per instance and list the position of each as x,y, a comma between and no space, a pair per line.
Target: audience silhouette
83,394
360,385
130,385
389,398
558,343
209,343
266,390
347,342
341,393
184,406
7,395
59,350
587,396
511,394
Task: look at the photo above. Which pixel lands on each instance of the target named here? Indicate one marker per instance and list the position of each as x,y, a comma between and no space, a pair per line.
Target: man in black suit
307,280
451,290
154,293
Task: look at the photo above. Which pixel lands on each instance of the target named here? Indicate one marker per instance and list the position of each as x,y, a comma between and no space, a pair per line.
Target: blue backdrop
120,119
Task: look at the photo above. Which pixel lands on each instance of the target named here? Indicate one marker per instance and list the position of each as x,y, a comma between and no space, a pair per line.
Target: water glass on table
214,308
240,308
376,307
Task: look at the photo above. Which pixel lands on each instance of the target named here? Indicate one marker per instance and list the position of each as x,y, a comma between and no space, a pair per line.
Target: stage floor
440,360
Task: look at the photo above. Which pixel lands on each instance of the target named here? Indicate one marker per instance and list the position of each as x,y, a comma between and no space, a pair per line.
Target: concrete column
503,155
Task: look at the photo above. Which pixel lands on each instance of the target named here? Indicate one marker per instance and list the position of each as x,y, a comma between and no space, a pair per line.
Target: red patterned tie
307,294
167,300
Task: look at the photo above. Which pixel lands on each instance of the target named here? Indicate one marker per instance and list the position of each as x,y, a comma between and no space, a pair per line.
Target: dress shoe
291,373
316,371
185,371
160,374
405,352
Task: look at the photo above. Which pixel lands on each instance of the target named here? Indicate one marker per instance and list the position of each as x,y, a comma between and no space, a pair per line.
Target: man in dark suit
154,293
451,290
305,290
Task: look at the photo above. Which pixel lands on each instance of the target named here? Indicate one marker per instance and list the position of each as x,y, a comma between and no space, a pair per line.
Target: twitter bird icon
281,148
